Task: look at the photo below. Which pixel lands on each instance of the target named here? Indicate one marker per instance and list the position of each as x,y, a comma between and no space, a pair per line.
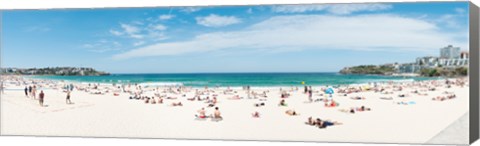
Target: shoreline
116,108
188,84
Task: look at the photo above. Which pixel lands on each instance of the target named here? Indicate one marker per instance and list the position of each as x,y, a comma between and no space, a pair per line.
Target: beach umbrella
329,91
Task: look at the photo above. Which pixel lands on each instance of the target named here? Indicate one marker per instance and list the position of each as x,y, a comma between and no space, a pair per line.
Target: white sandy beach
118,116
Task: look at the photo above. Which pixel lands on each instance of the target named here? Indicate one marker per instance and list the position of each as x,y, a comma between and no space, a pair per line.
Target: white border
48,4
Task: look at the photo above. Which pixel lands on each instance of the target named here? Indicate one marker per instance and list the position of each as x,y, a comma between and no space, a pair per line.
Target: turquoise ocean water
235,79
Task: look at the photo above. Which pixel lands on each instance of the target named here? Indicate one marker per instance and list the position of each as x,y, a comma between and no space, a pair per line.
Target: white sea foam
161,84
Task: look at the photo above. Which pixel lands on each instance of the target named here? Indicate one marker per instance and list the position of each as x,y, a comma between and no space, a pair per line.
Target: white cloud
138,43
213,20
298,32
166,17
448,20
141,32
190,9
37,29
157,36
130,29
102,46
338,9
298,8
159,27
453,20
115,32
460,10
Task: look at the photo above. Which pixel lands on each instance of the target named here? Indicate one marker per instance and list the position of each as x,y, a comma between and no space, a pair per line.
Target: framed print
357,72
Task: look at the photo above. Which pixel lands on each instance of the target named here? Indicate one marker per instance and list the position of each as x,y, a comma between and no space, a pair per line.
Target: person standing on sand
26,91
30,90
68,98
1,88
310,94
34,90
41,96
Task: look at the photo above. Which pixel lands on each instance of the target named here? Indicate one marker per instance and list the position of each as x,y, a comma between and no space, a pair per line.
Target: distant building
409,68
450,57
450,52
428,61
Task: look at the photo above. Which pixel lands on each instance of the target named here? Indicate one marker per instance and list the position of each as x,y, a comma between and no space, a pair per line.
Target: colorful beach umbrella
329,91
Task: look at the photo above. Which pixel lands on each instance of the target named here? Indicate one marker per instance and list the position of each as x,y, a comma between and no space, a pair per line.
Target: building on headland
450,57
450,52
409,68
72,71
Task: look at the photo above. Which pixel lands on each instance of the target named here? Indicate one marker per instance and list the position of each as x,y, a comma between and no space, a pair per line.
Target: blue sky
268,38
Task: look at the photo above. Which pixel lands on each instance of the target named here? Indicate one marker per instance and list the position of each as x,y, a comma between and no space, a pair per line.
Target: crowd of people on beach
178,96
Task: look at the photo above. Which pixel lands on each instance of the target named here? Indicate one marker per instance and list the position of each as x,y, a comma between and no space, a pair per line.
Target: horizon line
231,72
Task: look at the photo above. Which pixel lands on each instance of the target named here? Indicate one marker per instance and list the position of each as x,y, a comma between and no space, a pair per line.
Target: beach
105,110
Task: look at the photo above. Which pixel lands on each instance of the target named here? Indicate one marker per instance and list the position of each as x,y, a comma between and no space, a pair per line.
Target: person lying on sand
332,104
213,101
177,104
235,97
321,123
310,121
256,115
291,113
358,98
284,95
192,99
171,97
386,98
386,92
319,100
259,104
442,98
325,123
282,103
446,92
362,109
355,109
405,103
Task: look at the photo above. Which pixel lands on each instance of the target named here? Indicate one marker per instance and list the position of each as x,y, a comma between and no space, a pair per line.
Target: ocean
235,79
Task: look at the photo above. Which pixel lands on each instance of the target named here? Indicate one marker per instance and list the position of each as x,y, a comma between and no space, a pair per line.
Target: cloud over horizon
337,9
214,20
373,32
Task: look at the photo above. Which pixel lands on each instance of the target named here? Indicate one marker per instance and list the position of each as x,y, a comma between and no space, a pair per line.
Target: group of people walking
31,91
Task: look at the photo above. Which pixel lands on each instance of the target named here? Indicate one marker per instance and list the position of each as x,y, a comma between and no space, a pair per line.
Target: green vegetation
369,69
59,71
447,72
